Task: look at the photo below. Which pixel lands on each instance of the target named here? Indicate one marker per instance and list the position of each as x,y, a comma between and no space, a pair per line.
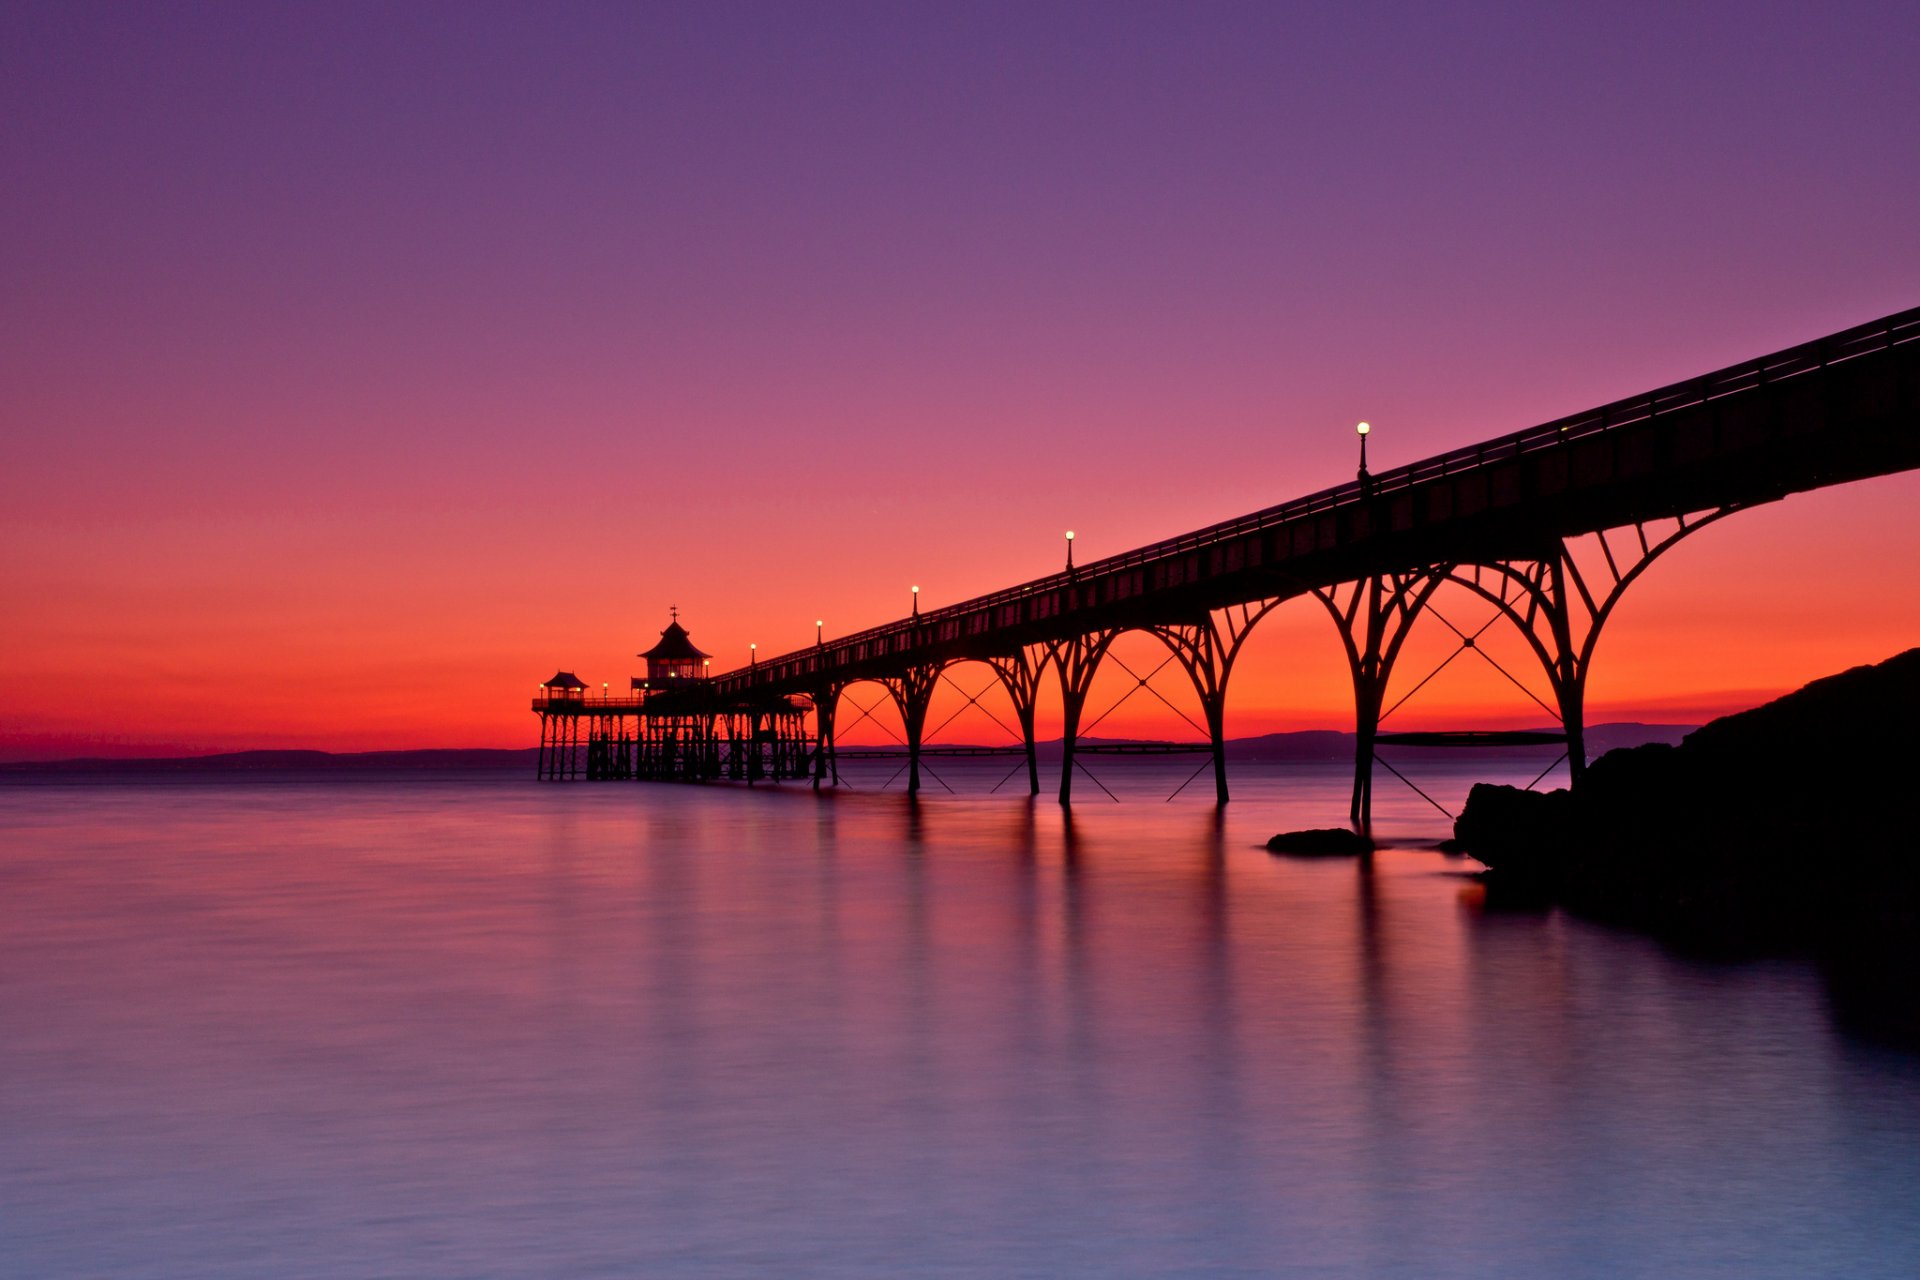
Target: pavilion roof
674,645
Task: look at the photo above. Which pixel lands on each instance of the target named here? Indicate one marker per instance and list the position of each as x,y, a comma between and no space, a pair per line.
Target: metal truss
1076,659
1206,650
1559,609
1374,619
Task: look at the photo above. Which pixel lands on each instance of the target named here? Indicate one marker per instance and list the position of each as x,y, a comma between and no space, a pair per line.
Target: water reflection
508,1030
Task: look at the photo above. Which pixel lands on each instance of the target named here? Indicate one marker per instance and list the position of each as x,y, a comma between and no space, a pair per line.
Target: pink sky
362,366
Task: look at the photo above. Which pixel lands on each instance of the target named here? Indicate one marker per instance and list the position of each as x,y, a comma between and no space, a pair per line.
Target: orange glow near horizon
263,633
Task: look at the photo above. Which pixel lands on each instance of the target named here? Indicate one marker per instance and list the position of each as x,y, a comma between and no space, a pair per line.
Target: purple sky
371,290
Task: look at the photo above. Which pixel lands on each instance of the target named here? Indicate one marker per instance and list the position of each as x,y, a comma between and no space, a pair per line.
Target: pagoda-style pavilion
672,725
675,657
565,685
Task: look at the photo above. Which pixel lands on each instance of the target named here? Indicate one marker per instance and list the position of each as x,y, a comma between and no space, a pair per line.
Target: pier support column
1019,675
1206,650
1370,674
1567,672
826,701
1077,660
1374,618
1215,705
912,694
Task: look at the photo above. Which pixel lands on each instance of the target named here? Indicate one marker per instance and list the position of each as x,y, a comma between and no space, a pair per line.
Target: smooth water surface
483,1027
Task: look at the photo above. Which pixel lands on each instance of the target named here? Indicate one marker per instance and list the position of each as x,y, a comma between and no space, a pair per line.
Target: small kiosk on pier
672,725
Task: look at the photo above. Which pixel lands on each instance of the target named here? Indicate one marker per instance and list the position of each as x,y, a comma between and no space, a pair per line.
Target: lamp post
753,655
1069,551
916,602
820,631
1363,429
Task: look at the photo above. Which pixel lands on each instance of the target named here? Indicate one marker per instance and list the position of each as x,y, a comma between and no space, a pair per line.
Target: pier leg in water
1216,710
826,701
1206,650
1077,660
1071,706
1374,619
1568,672
1020,675
912,693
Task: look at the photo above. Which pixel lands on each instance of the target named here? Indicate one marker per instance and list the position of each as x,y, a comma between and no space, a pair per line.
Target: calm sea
481,1027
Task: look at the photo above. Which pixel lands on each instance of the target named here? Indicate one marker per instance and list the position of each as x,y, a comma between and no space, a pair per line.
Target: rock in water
1786,828
1523,835
1323,842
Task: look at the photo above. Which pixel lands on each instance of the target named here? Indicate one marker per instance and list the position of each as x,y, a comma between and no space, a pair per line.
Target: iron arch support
1076,659
1374,622
1560,614
1206,650
1020,674
912,693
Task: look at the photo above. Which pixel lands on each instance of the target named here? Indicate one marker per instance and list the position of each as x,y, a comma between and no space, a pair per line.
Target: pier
1549,525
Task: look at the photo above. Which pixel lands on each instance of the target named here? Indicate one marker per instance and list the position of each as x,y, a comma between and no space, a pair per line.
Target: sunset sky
362,364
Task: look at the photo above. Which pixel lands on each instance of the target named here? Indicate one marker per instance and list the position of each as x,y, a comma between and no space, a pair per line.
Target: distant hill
1332,744
1309,744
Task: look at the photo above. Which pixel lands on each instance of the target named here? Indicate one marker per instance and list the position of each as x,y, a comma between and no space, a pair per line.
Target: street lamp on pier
1363,429
820,631
916,602
1069,551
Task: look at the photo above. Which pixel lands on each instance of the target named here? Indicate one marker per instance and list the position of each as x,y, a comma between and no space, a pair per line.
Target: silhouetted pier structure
675,725
1501,519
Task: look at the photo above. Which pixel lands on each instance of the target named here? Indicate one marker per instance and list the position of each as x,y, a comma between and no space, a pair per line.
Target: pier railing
1731,383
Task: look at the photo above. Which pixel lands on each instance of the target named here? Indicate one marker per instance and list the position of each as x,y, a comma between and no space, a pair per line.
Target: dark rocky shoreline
1790,828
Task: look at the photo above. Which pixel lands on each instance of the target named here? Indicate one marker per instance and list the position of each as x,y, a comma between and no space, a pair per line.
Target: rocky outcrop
1321,842
1791,826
